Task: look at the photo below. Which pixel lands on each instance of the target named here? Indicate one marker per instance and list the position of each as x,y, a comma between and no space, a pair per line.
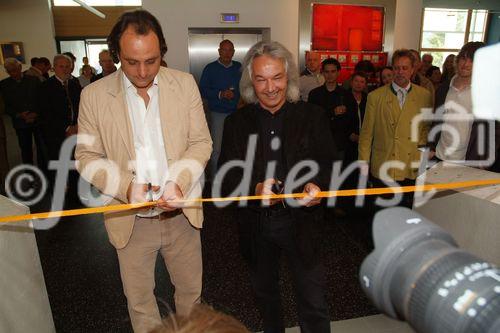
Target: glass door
89,47
78,48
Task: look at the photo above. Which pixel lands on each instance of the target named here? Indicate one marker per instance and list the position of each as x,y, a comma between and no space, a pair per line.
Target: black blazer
351,153
306,136
351,102
340,125
19,97
55,110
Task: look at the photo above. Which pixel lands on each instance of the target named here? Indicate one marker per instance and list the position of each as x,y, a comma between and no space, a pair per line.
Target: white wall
176,16
30,22
408,24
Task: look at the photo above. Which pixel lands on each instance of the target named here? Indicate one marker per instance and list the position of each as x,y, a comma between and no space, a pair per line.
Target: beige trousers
180,246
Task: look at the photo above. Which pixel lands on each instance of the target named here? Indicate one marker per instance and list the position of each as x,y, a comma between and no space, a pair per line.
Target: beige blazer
105,148
386,131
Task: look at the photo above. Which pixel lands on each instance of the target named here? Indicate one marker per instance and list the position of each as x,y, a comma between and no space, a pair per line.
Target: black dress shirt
305,135
271,133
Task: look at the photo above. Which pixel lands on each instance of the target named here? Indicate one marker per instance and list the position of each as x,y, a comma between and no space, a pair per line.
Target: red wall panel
347,28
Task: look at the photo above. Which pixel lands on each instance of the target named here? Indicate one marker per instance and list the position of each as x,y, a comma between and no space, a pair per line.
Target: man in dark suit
288,133
332,98
59,99
20,94
356,98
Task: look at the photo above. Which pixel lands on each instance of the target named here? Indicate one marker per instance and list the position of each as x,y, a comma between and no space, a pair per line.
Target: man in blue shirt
219,85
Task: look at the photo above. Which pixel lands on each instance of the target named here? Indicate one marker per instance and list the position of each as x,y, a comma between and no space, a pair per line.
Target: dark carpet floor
83,281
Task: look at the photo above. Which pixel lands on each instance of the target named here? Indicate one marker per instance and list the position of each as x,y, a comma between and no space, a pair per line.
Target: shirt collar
335,89
452,84
267,113
231,64
128,84
59,79
395,87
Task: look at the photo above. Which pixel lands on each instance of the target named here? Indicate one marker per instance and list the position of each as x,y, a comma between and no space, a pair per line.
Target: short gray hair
104,51
11,62
277,51
58,57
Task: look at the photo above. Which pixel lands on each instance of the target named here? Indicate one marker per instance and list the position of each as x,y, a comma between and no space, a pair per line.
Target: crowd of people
154,117
44,108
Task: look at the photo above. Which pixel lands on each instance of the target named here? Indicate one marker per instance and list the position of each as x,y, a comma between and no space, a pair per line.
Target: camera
418,274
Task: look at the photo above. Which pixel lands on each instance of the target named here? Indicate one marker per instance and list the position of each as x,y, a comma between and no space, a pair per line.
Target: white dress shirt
458,117
401,93
151,159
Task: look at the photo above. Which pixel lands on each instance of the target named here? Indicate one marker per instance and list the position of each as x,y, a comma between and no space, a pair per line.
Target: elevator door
204,45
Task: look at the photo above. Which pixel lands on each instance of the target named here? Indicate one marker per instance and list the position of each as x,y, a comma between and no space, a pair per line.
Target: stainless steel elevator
204,44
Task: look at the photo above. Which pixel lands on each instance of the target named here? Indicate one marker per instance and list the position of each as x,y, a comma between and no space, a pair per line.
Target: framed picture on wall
12,50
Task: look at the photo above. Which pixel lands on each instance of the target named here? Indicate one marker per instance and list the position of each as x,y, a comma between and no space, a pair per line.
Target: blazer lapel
167,95
121,114
392,107
409,102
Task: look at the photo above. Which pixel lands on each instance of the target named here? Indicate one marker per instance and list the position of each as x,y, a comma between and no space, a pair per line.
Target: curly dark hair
143,22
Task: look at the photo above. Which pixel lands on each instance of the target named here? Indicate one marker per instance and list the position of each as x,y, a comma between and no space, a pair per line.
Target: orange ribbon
322,194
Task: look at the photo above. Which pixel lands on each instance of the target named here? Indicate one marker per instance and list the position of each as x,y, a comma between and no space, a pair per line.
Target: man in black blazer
20,95
356,101
59,99
287,132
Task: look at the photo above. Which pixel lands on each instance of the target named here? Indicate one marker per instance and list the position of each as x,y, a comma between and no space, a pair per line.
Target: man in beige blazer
386,135
143,136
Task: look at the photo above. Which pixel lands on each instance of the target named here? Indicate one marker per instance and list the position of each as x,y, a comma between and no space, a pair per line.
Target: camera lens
418,274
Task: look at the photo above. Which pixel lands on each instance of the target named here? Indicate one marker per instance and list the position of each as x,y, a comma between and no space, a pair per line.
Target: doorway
203,44
83,47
